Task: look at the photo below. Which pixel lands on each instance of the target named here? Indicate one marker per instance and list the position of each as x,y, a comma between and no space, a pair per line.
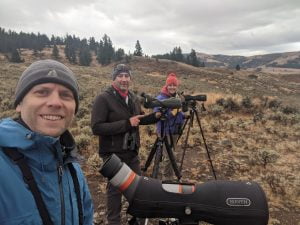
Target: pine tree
192,59
138,49
85,56
176,55
66,50
92,44
106,51
119,55
73,58
72,45
55,52
179,55
15,56
52,40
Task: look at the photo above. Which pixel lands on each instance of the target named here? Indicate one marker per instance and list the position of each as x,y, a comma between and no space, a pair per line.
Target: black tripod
157,150
190,119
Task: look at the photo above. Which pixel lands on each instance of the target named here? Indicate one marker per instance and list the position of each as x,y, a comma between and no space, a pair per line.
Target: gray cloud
213,27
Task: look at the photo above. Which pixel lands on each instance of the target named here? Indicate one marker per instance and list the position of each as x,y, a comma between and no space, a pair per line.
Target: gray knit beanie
120,68
46,71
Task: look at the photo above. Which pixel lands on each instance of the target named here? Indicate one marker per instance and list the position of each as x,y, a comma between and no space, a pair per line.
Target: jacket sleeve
149,119
99,119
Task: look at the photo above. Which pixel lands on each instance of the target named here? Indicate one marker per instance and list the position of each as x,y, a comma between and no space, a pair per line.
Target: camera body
129,141
216,202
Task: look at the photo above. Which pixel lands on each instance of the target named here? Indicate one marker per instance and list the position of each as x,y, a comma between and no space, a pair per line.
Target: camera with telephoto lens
217,202
170,103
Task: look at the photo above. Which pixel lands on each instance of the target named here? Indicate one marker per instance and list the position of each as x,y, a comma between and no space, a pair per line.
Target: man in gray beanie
116,116
121,68
37,160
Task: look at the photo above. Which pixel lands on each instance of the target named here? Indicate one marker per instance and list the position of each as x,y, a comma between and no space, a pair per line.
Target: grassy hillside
277,60
251,125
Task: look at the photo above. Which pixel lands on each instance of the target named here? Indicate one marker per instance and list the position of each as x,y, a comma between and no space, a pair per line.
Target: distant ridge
280,60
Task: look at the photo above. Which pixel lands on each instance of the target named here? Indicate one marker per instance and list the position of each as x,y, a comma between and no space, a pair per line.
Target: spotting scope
217,202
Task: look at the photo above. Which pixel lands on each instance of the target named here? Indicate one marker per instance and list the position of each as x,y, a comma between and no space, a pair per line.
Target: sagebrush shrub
265,156
247,103
216,110
82,141
289,110
274,104
231,105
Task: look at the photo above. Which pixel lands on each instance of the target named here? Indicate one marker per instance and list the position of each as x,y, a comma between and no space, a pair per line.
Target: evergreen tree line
178,56
76,50
11,40
80,51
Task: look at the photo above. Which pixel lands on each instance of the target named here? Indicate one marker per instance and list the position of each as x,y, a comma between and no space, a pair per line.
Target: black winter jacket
110,121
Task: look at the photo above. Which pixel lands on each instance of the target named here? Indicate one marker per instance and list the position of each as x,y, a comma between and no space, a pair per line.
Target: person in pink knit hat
172,124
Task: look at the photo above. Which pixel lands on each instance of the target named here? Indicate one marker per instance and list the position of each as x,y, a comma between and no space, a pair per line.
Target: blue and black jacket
48,159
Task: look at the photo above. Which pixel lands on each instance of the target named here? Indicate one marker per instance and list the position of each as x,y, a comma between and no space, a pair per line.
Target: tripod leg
151,154
204,141
172,158
184,147
183,127
157,160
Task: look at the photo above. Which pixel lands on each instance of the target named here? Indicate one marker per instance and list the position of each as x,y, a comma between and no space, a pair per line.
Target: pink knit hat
172,79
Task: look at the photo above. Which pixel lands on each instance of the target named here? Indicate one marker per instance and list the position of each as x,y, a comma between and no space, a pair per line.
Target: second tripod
189,121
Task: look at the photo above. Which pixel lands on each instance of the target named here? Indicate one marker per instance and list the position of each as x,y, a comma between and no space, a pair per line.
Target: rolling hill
278,60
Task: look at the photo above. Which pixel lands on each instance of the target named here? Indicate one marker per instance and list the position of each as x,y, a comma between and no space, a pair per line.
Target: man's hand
157,115
135,120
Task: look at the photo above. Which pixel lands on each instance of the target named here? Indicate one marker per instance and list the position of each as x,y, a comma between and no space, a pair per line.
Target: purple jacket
172,124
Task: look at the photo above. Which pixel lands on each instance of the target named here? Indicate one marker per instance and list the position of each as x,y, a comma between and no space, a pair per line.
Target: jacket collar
15,134
131,99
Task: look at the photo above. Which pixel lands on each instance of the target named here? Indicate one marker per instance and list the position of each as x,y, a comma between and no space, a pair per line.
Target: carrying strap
20,160
77,191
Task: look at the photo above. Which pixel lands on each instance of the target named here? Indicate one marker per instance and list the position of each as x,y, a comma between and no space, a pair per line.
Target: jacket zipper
62,199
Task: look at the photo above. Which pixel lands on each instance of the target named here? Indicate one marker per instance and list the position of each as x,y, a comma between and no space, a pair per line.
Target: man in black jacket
116,115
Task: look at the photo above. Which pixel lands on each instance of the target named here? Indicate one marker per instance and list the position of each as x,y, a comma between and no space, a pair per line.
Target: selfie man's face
122,81
48,108
172,88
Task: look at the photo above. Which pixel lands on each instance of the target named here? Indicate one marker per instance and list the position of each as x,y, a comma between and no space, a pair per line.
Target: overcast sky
231,27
